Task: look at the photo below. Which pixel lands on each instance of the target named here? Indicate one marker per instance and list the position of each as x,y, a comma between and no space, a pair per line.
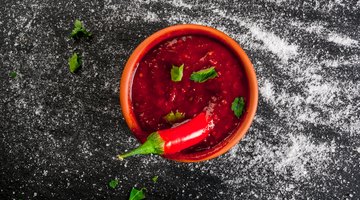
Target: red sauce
154,94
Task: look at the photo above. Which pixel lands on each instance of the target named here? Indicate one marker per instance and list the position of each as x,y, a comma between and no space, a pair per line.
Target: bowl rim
189,29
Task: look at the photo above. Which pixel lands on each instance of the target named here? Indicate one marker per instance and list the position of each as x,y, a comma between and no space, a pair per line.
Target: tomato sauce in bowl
154,94
147,92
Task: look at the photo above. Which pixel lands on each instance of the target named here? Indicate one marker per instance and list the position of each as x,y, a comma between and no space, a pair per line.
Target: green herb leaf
12,74
79,30
74,63
238,106
172,117
113,183
155,178
136,194
204,75
177,73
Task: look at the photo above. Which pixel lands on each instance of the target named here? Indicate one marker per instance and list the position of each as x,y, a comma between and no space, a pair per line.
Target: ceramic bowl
177,31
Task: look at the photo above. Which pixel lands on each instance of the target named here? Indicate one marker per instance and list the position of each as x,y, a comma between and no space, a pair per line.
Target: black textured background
60,131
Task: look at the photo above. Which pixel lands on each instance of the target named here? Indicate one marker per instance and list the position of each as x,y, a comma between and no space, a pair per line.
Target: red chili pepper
175,139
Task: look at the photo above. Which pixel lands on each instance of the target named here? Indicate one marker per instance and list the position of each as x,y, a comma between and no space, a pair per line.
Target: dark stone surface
59,132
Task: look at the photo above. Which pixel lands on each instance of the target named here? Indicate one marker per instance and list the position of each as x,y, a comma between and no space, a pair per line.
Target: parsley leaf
136,194
79,30
204,75
74,63
172,117
113,183
155,178
177,73
238,106
12,74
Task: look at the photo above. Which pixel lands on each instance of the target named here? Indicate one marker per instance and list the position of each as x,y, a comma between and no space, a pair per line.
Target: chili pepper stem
154,144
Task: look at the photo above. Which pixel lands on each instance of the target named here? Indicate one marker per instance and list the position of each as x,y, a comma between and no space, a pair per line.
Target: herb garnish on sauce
238,106
204,75
172,117
177,73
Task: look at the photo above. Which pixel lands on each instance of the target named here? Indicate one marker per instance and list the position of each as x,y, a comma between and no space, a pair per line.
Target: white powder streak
266,90
300,153
275,44
342,40
151,17
331,36
299,157
180,3
278,2
358,149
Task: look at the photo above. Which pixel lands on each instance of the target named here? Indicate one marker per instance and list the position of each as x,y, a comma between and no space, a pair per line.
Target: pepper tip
120,157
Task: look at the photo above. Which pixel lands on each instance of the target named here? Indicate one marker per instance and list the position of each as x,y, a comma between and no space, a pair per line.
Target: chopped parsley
238,106
155,179
204,75
12,74
113,183
74,62
172,117
79,30
177,73
136,194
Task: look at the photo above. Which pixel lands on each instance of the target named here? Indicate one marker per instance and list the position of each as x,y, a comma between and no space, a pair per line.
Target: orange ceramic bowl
181,30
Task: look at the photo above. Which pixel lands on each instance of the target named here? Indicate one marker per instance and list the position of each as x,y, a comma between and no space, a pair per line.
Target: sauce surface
154,94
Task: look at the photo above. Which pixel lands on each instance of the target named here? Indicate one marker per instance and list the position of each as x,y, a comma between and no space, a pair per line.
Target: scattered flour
275,44
342,40
358,149
181,4
271,42
267,91
302,155
331,36
278,2
315,28
151,17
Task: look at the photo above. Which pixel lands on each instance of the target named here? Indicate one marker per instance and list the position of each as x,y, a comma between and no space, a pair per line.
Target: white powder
297,156
266,90
321,93
180,3
278,2
331,36
315,28
342,40
275,44
358,149
302,154
151,17
271,42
